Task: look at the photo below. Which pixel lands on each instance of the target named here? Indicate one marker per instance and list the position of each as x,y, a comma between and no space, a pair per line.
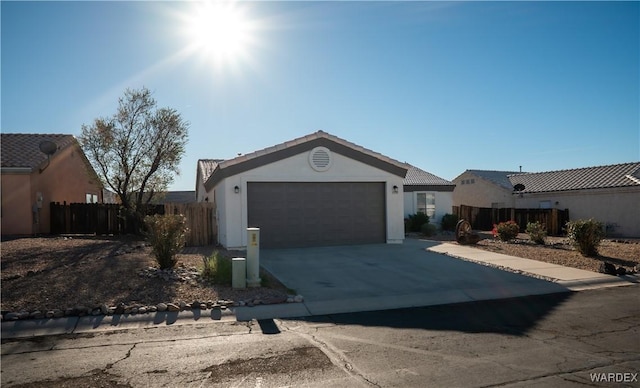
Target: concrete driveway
379,277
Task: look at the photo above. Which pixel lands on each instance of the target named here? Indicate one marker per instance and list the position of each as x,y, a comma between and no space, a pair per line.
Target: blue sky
445,86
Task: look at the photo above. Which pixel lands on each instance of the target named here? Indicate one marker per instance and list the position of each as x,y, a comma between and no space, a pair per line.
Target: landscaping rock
119,309
608,268
621,271
173,307
36,315
298,299
162,307
104,309
11,317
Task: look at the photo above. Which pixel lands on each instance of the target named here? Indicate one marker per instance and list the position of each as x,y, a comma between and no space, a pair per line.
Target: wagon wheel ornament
464,233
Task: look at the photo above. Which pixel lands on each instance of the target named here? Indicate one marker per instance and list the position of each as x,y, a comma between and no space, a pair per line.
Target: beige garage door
317,214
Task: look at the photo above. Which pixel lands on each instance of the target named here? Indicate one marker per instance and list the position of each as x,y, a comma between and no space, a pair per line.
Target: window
426,203
91,198
545,204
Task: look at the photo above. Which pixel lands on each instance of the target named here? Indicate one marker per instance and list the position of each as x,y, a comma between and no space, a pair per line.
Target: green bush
415,221
217,269
585,235
166,234
537,232
428,229
506,231
449,222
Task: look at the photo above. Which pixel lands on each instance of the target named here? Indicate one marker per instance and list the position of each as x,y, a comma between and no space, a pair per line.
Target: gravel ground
59,273
558,250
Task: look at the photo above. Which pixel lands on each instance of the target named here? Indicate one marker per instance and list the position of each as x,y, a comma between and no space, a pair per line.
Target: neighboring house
312,191
427,193
174,197
484,188
610,194
31,180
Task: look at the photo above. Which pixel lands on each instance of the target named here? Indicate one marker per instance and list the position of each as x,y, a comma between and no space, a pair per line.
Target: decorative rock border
140,309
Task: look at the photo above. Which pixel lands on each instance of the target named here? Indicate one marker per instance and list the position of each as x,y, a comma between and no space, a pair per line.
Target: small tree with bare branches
137,150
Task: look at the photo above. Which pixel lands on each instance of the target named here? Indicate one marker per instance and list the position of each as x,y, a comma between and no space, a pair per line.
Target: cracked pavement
551,340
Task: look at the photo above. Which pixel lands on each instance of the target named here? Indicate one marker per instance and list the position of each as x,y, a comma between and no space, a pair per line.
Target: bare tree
137,150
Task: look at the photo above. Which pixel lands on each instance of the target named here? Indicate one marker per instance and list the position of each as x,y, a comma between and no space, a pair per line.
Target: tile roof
175,197
418,177
207,166
22,149
616,175
500,178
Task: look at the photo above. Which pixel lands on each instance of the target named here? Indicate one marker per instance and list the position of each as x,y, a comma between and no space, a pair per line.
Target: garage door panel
316,214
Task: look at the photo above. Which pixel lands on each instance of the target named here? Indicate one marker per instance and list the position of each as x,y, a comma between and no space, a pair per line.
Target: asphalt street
559,340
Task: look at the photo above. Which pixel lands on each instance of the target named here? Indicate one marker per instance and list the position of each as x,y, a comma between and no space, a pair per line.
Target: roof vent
320,159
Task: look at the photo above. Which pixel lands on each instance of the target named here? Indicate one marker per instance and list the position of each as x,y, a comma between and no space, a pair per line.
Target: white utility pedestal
239,272
253,257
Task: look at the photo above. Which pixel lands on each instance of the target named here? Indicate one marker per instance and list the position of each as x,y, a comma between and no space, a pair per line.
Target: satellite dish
518,187
48,147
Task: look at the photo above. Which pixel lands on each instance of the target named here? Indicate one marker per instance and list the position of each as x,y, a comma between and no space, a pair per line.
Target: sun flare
219,31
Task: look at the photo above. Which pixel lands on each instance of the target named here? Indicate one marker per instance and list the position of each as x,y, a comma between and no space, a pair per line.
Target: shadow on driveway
514,316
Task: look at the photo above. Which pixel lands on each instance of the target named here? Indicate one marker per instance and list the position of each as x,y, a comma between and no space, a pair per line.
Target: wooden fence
108,219
482,218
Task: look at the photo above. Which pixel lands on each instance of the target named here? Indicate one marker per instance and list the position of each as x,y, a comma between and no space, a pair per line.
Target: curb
25,328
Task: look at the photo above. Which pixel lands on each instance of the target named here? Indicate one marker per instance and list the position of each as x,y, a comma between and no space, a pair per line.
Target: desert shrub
449,222
428,229
166,234
585,235
506,231
415,221
217,269
537,232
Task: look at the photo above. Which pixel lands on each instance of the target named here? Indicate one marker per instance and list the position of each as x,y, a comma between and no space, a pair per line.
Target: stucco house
484,188
31,179
311,191
427,193
609,194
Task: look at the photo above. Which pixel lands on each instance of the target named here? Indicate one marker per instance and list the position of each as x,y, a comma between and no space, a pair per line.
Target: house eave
414,188
221,172
16,170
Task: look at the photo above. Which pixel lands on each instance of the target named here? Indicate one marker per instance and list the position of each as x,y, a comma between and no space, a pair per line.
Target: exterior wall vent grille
320,159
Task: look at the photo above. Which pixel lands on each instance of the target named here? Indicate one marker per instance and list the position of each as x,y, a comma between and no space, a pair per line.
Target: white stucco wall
231,207
444,203
620,206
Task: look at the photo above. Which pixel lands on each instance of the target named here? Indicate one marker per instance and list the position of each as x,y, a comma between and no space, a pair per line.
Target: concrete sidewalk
572,278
